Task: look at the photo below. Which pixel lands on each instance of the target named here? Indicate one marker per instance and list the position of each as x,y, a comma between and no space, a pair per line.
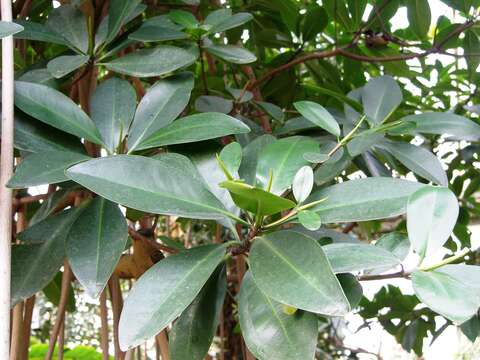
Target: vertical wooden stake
6,169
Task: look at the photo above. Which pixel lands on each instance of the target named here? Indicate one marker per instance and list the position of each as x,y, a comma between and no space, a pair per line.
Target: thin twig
104,324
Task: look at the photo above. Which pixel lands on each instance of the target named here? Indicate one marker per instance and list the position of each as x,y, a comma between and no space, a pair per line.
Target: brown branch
17,331
27,326
399,274
104,324
66,278
137,236
342,51
117,305
161,340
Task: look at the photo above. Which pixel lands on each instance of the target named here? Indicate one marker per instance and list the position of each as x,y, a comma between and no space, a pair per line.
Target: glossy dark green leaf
318,115
452,290
419,17
380,97
363,142
251,153
193,332
256,200
231,156
44,168
431,216
230,22
216,17
233,54
357,257
273,110
162,103
152,33
421,161
112,108
39,256
332,167
169,185
49,205
56,109
118,11
63,65
95,243
352,289
284,158
164,291
71,24
270,333
471,45
211,103
153,62
194,128
314,22
364,199
471,328
309,219
33,136
293,269
444,124
9,28
183,18
38,32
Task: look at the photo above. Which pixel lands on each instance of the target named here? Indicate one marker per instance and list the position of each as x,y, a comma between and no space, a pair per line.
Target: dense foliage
248,164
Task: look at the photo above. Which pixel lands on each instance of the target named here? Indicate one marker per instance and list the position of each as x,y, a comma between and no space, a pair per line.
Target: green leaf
471,45
251,153
231,155
271,109
53,290
71,24
270,333
162,103
380,97
302,183
33,136
452,290
352,289
316,157
292,268
421,161
211,103
233,54
37,259
216,17
95,243
346,257
364,199
164,291
363,142
314,22
309,219
118,11
396,243
184,18
444,124
152,33
63,65
471,328
289,12
112,108
419,17
284,157
56,109
194,128
193,332
169,185
38,32
256,200
337,10
153,62
229,22
431,216
44,168
9,28
318,115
